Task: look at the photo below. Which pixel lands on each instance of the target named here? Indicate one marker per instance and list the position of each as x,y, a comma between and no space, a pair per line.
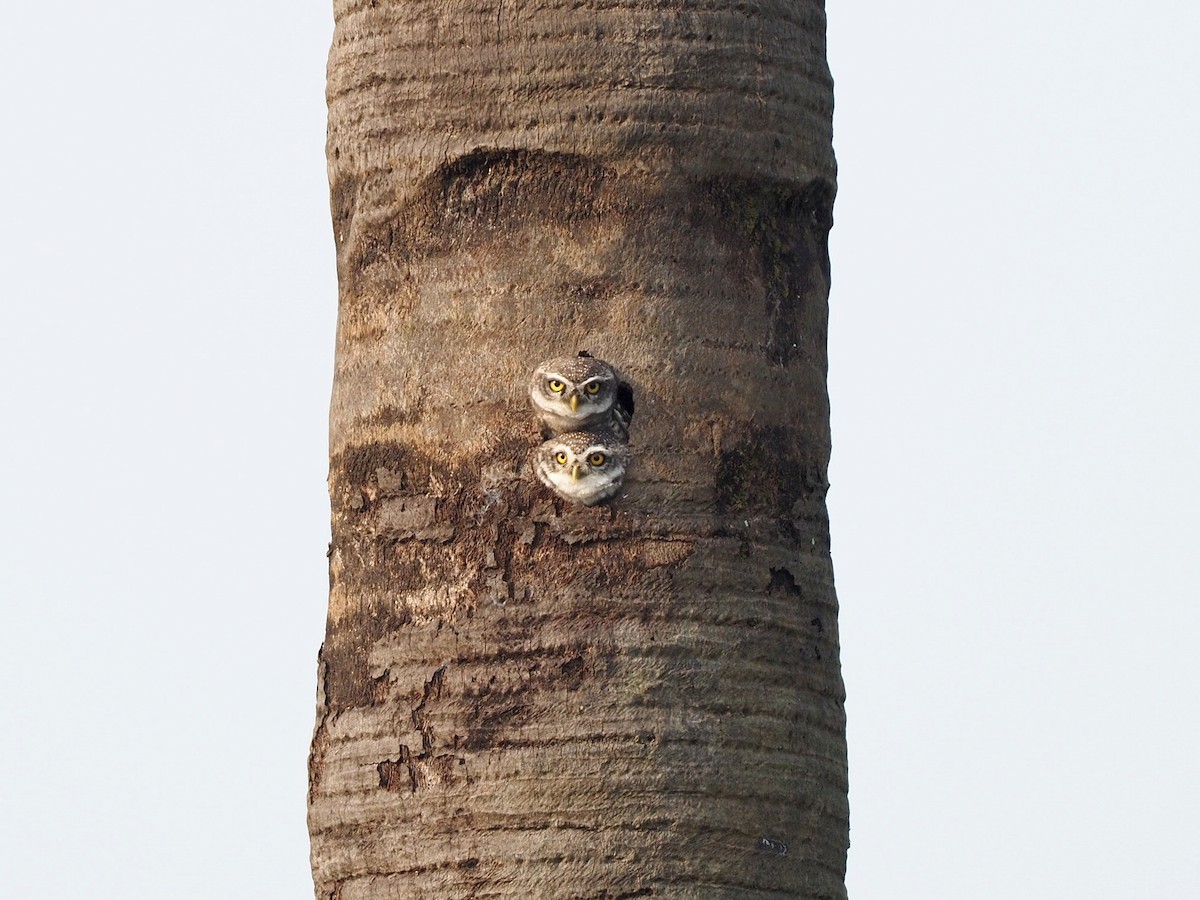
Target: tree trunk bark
521,697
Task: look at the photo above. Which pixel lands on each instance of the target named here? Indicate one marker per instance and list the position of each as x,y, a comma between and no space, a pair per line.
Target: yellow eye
593,388
556,385
561,458
597,459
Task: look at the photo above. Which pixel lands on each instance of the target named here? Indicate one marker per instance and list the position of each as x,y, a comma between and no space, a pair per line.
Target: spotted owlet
581,394
582,466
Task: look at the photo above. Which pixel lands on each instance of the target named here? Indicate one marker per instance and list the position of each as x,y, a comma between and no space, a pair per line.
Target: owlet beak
575,471
574,402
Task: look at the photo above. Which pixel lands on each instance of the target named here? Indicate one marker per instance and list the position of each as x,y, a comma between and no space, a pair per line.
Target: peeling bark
521,698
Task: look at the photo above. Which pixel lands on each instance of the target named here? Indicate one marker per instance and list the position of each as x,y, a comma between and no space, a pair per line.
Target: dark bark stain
433,689
786,226
409,772
320,741
783,582
764,474
398,774
316,758
348,683
572,672
486,728
343,196
359,467
381,687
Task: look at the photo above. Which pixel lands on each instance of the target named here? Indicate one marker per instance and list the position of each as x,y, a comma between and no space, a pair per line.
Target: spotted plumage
582,466
581,394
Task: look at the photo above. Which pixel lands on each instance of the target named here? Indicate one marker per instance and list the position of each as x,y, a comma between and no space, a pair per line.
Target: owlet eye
593,388
597,459
561,458
556,385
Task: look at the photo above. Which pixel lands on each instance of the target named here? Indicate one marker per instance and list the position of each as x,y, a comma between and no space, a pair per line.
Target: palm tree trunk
521,698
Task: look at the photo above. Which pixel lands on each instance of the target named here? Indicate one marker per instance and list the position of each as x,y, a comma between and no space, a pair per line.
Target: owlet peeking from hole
582,466
581,394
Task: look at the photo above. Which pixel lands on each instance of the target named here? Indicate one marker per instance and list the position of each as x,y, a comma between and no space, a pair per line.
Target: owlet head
582,466
573,393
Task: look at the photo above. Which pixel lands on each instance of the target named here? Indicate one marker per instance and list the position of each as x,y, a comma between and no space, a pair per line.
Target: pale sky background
1014,379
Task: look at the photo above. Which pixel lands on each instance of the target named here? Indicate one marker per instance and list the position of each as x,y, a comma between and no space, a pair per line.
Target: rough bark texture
520,698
